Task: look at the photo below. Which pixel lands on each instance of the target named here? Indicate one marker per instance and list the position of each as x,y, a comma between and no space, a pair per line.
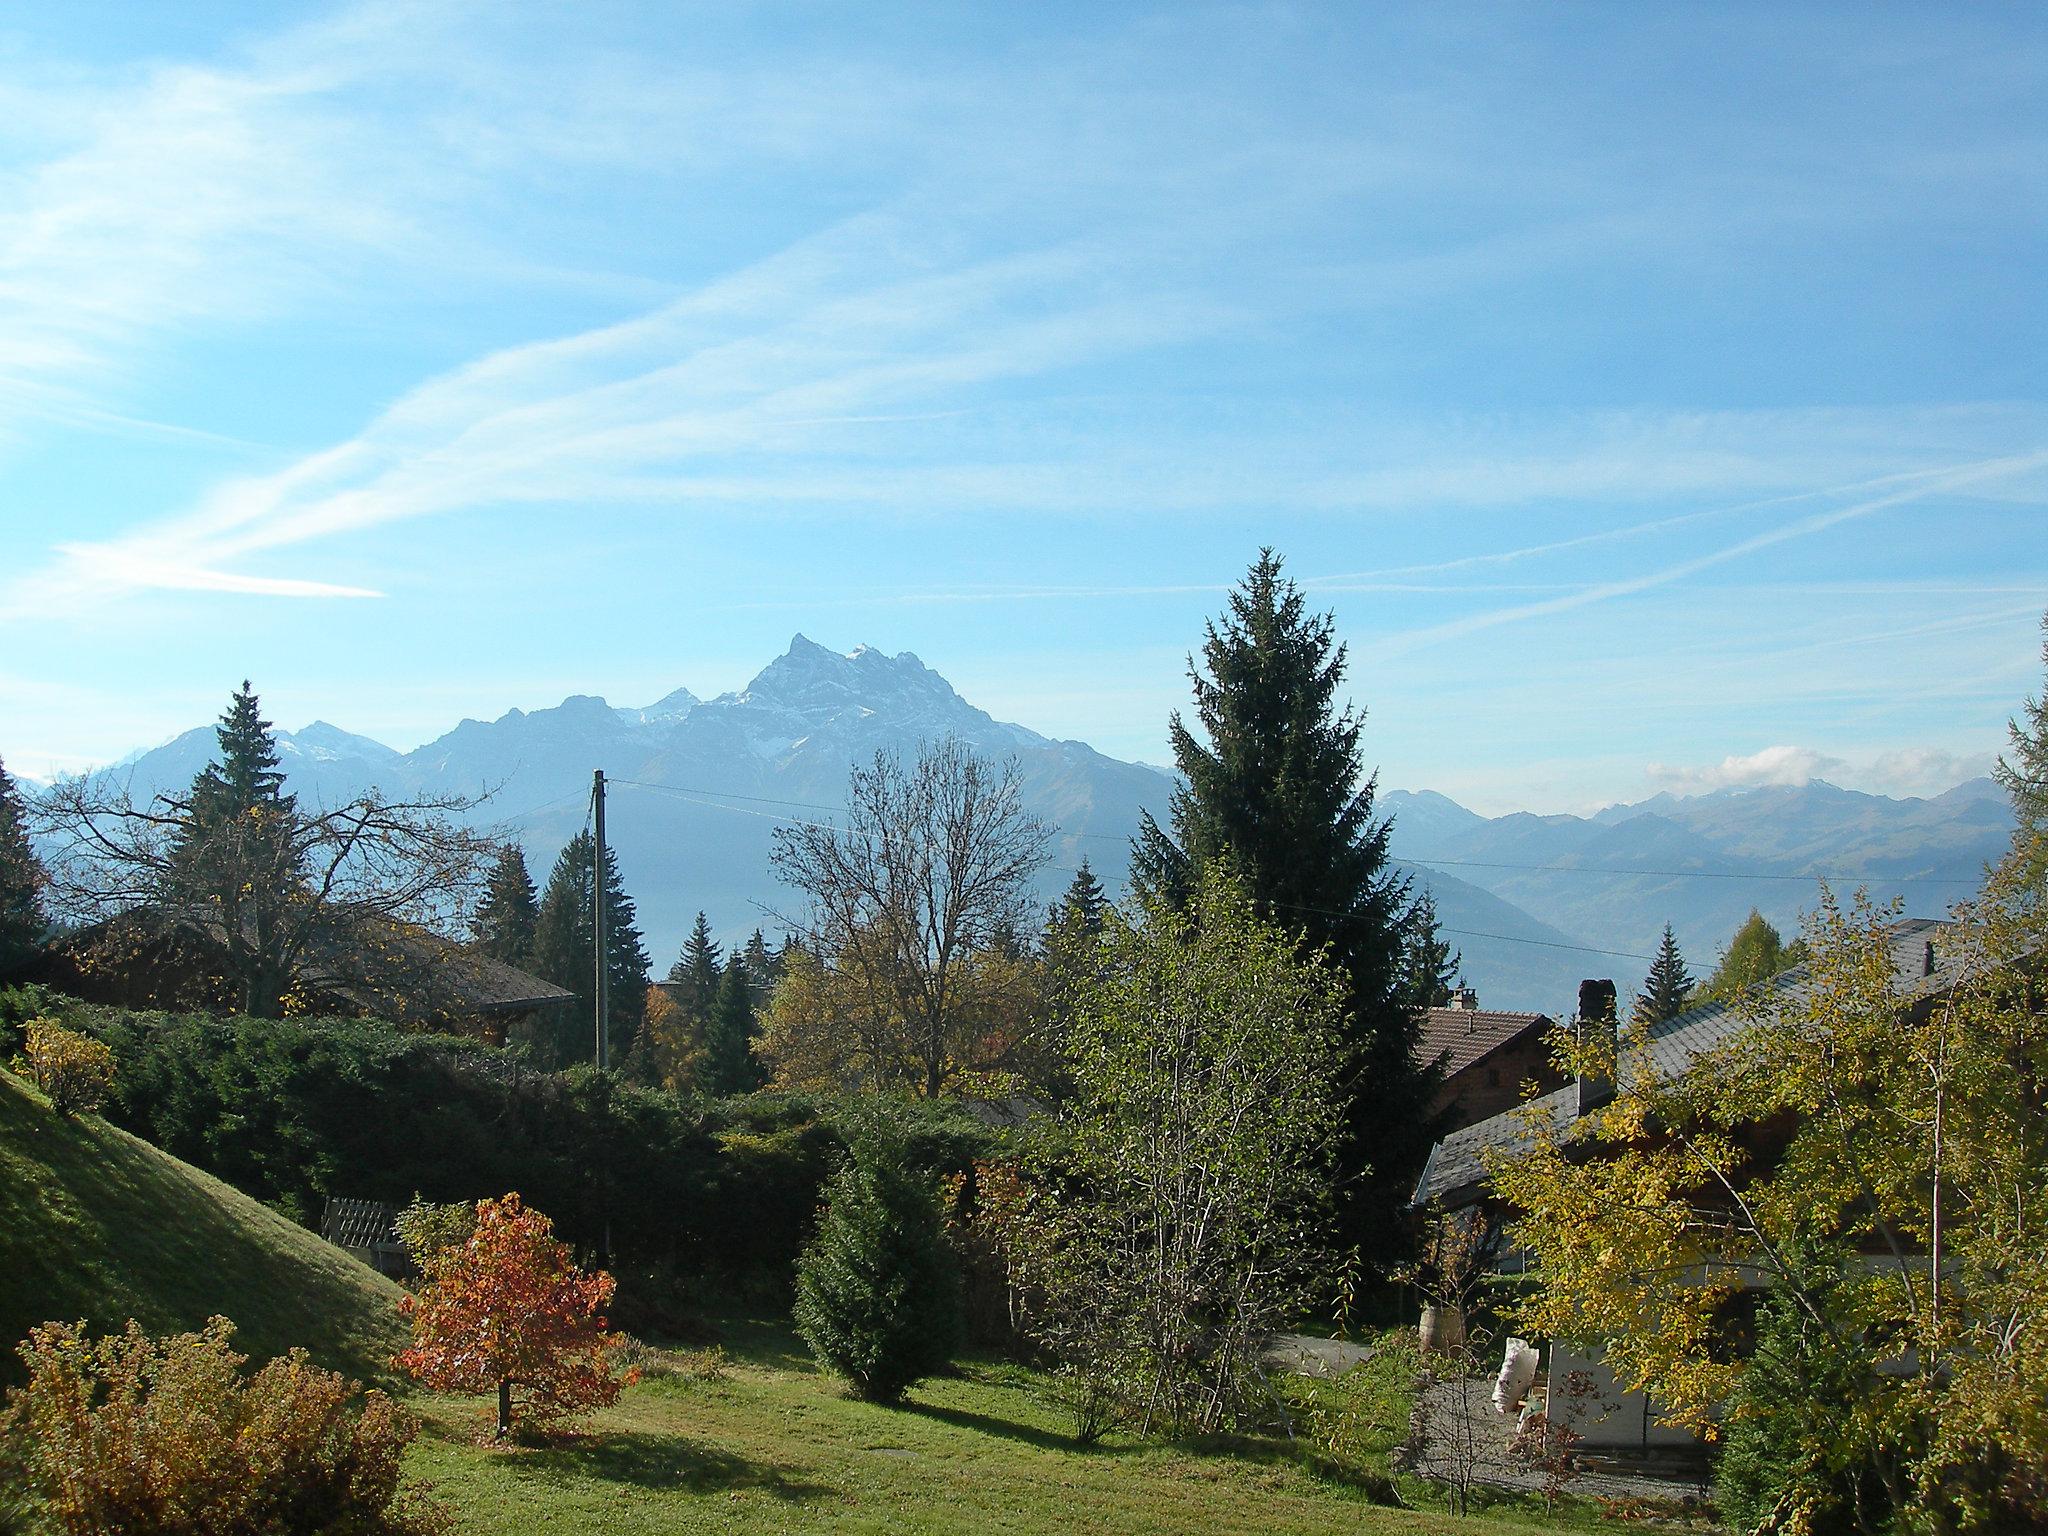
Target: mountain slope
699,785
1701,863
95,1224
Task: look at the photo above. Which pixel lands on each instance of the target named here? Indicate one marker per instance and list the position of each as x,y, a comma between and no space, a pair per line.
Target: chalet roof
1455,1170
465,981
403,970
1460,1037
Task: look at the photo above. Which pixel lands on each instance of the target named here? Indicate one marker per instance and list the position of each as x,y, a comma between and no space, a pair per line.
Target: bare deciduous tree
268,890
929,875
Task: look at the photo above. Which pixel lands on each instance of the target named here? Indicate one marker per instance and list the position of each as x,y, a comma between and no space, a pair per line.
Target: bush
128,1435
428,1230
878,1289
76,1071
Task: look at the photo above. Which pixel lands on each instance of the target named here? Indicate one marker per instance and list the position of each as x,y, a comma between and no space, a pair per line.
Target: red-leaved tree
509,1310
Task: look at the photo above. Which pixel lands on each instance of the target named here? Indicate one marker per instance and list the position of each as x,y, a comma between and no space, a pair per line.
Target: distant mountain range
698,785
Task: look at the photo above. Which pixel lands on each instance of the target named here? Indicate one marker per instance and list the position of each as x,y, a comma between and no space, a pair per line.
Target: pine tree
1070,959
234,856
1429,966
698,968
1081,908
1669,985
731,1066
507,915
247,773
22,922
764,965
878,1289
565,943
2023,774
1279,795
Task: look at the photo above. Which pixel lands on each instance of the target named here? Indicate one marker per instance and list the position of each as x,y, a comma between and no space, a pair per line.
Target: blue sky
1654,393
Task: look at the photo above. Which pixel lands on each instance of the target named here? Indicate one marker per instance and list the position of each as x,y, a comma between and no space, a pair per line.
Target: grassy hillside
98,1225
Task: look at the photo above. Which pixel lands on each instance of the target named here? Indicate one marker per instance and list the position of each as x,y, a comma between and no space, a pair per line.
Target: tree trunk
504,1406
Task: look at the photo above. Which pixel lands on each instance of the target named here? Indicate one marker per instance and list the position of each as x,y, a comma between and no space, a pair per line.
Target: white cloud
1772,765
1924,770
1906,771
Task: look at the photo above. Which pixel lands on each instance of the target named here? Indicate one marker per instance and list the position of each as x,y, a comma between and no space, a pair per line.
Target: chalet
1454,1179
1485,1056
400,972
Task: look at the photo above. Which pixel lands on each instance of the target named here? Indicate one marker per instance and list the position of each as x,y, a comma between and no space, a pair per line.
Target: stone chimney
1465,999
1595,1023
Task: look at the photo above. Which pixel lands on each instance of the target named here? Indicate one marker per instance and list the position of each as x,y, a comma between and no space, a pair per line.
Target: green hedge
293,1111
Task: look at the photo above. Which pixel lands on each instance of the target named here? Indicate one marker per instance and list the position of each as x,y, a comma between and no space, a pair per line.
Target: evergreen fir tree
2023,774
1278,793
22,922
247,773
764,965
1069,953
234,856
878,1289
565,945
509,912
1668,986
698,968
1429,965
1081,908
730,1064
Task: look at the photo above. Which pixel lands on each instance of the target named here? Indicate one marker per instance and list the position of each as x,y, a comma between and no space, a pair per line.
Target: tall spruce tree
22,921
565,947
1668,987
508,914
764,965
1429,965
698,969
1082,906
2023,774
236,856
730,1065
1278,793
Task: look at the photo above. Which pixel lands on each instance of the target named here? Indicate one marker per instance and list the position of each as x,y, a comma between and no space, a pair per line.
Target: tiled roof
1455,1163
1458,1037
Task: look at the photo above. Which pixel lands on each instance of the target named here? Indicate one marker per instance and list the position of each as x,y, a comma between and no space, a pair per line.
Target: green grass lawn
95,1224
772,1445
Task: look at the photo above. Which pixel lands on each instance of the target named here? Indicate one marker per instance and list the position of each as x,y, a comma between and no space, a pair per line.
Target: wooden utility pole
600,991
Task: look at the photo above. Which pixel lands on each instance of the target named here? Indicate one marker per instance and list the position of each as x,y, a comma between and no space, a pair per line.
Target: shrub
508,1312
429,1230
76,1071
878,1289
127,1435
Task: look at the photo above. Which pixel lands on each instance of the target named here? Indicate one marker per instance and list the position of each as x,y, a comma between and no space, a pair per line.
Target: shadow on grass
769,1342
655,1461
1008,1429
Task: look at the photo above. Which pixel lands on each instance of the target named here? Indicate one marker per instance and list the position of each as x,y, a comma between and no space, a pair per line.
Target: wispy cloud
1953,479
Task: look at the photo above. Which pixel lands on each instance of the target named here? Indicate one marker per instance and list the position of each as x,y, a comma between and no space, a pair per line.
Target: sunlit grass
771,1445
